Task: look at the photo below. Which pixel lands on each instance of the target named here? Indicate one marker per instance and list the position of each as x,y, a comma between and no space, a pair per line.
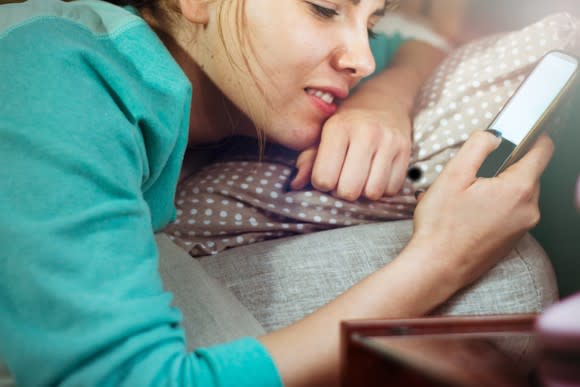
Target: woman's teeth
326,97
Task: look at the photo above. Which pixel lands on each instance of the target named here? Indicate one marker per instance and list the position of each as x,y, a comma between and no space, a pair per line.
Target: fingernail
418,193
496,133
291,177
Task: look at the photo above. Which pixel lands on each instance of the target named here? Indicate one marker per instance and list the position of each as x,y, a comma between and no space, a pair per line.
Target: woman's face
298,60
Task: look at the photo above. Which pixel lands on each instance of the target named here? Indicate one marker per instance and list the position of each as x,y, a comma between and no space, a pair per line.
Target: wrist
432,262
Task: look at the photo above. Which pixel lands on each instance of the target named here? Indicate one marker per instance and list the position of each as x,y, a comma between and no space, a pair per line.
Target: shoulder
96,17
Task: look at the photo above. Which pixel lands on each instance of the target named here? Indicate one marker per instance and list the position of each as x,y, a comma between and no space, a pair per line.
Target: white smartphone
522,119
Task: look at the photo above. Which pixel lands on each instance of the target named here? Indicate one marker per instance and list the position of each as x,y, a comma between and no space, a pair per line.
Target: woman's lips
322,100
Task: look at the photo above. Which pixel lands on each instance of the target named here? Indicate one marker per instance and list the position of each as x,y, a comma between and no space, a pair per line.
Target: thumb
466,163
303,169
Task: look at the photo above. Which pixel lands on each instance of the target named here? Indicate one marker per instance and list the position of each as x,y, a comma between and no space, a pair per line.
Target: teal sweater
94,117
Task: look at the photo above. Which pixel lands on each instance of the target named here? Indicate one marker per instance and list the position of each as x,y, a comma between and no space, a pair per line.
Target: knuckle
523,192
534,218
322,184
373,193
391,191
348,194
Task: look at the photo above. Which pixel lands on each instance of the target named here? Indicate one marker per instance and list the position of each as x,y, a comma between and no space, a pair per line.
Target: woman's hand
362,152
470,223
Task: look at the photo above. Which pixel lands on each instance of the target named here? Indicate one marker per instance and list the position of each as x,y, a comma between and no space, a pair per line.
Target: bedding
240,198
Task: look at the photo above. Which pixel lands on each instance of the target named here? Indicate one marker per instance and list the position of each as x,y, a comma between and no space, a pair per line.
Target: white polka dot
323,199
274,195
238,217
338,204
317,219
224,214
259,190
263,181
240,239
208,212
244,186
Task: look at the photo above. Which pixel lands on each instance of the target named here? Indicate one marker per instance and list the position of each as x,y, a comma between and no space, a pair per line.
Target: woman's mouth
323,100
323,95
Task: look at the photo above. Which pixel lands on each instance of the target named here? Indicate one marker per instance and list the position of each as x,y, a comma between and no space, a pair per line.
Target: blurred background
464,20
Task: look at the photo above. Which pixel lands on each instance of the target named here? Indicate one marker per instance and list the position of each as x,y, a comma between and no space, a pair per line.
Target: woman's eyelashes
328,13
323,12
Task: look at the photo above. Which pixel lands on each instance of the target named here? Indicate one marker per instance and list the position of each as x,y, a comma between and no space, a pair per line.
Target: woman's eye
323,11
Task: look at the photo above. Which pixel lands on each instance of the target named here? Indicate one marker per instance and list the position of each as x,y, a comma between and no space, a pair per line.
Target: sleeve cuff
244,362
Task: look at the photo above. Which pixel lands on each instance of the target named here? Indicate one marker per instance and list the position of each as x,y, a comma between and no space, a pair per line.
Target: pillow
238,199
470,87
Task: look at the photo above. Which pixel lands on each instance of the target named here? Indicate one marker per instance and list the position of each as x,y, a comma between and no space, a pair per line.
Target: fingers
387,175
329,161
398,173
535,161
378,179
354,171
462,169
304,165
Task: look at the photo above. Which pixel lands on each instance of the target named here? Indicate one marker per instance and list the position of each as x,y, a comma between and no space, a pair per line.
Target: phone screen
528,107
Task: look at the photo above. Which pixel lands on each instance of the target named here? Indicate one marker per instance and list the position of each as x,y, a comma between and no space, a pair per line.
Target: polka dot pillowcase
239,200
470,87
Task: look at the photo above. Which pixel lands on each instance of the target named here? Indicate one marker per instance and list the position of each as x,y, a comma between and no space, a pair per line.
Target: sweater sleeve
384,47
81,299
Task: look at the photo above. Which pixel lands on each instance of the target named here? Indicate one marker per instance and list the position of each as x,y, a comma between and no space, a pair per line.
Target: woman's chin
299,139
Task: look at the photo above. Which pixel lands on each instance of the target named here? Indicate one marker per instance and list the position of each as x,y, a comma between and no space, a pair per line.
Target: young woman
95,117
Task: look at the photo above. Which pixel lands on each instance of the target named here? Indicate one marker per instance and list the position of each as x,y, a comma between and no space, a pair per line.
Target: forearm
307,353
401,81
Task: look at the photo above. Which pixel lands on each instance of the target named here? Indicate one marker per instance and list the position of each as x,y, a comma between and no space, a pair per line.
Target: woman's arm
365,147
463,226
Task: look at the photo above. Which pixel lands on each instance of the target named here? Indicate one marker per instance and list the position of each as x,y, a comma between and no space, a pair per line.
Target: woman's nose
354,56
